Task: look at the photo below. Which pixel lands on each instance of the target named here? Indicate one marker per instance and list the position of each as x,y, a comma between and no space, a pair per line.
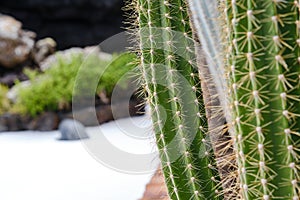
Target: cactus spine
174,94
264,75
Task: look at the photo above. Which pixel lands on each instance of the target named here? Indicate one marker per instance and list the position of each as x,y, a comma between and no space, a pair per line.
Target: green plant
53,90
171,81
119,66
4,101
257,82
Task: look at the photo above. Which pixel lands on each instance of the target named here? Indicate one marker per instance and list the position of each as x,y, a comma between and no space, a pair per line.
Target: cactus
172,85
258,53
264,74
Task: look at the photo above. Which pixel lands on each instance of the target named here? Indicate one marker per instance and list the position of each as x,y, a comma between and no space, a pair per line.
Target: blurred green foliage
5,104
53,89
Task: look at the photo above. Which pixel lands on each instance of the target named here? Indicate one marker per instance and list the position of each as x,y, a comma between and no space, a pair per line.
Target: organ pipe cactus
263,65
252,54
172,84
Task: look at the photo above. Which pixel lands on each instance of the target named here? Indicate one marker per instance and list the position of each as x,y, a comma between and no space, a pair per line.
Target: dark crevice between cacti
221,141
219,136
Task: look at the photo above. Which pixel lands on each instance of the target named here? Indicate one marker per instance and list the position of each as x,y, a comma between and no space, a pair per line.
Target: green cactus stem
264,74
172,85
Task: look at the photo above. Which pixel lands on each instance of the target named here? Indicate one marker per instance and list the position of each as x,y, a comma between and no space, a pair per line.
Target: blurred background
69,22
67,85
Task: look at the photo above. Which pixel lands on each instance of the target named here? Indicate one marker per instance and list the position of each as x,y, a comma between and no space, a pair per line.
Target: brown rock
86,116
3,124
47,121
12,122
104,114
43,48
103,97
91,116
9,79
15,43
156,188
68,53
125,109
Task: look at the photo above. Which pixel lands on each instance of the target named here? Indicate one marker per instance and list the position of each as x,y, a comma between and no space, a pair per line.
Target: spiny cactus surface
172,84
264,74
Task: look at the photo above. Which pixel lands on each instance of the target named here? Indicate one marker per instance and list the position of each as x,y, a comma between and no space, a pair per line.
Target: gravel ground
37,166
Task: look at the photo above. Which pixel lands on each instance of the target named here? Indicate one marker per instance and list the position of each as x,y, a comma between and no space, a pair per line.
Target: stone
72,130
9,79
103,98
3,128
156,188
43,48
12,122
15,44
47,121
125,109
84,116
12,94
104,114
91,116
67,54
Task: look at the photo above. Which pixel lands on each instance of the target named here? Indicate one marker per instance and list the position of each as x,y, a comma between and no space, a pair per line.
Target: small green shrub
117,68
53,90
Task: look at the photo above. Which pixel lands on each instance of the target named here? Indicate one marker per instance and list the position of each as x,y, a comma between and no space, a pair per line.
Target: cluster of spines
263,67
172,84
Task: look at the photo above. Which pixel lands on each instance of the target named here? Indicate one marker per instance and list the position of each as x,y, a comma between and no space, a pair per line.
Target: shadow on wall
69,22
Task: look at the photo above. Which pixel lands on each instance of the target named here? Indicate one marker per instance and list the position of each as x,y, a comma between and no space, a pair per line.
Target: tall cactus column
264,74
174,94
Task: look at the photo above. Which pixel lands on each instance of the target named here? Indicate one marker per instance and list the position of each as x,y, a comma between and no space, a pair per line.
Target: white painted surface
36,166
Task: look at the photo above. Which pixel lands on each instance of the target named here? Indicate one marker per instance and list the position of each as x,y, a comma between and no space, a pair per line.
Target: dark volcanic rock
72,130
47,121
87,116
12,122
69,22
9,79
3,128
105,113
